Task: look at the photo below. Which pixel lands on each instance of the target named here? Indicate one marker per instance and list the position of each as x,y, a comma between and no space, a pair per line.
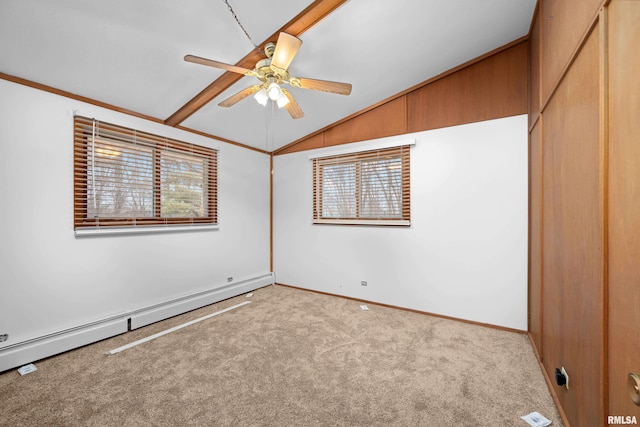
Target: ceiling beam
315,12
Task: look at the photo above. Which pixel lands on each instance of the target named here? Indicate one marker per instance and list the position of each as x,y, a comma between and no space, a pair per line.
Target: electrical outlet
363,283
229,279
564,372
4,337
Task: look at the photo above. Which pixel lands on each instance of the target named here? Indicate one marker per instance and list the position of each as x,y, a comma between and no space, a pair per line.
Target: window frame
87,130
357,157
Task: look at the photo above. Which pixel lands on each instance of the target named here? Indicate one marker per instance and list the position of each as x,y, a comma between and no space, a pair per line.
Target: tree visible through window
339,190
120,180
124,177
182,186
363,188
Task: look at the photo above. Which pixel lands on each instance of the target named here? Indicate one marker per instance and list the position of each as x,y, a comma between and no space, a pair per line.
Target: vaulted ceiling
129,54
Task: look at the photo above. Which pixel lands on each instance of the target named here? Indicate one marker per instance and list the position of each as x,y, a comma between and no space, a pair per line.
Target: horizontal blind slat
370,185
123,176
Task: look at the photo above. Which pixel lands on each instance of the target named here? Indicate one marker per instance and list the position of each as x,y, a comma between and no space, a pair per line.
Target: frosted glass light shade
275,92
282,101
261,97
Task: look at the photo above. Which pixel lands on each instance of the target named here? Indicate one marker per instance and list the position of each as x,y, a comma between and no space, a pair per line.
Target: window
127,178
370,187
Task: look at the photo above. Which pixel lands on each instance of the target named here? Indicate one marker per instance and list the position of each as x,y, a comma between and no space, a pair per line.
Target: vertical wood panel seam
529,243
537,120
604,188
541,233
529,113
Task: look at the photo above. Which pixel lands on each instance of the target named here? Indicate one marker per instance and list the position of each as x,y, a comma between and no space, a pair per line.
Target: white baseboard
38,348
161,311
49,345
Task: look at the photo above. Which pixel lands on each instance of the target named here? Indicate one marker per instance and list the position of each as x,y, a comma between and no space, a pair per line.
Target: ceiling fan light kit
261,97
273,73
282,101
274,91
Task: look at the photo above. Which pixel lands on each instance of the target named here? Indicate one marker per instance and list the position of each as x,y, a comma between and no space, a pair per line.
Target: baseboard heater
58,342
157,312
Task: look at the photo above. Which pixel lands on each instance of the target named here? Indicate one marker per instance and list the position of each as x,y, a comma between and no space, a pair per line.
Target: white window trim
361,147
376,222
148,229
356,148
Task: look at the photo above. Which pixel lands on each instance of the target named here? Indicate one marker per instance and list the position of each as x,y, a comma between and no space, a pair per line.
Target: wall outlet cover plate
564,372
27,369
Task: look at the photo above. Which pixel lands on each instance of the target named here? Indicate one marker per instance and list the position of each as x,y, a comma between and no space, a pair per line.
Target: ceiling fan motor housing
269,48
266,72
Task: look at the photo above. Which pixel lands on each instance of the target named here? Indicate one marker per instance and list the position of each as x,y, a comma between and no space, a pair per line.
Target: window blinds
124,177
371,187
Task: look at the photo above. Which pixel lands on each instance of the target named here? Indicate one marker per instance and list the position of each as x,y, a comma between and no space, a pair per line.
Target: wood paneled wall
535,240
563,24
584,276
572,244
386,120
491,88
624,202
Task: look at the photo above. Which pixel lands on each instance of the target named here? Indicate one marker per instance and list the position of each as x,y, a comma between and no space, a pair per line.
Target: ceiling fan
272,73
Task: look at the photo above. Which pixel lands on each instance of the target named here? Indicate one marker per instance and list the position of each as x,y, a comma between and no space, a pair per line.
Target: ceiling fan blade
322,85
292,107
221,65
286,50
234,99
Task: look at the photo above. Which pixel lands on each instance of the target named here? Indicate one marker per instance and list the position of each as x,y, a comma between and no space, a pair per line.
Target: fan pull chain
269,127
241,26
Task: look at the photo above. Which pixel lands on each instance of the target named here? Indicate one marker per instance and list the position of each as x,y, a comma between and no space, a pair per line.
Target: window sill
395,222
106,231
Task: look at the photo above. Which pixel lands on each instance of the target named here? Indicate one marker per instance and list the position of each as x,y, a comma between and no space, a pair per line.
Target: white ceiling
130,53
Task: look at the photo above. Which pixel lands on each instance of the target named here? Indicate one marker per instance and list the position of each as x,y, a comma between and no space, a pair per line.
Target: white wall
51,281
465,254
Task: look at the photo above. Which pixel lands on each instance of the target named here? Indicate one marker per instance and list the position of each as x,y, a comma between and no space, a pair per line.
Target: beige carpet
290,358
